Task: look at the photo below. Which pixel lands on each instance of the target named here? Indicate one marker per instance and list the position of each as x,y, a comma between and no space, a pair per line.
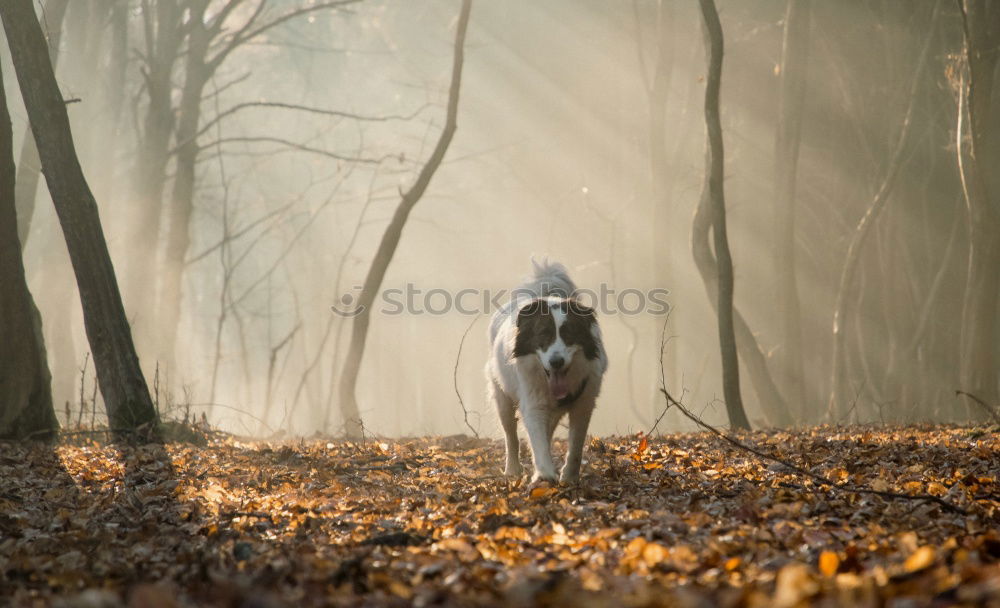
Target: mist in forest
247,156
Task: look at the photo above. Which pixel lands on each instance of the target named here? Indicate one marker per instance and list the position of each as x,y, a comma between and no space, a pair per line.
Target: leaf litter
671,520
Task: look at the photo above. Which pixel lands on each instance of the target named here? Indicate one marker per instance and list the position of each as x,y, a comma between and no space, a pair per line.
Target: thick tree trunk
794,60
978,373
122,384
25,388
29,168
715,198
390,240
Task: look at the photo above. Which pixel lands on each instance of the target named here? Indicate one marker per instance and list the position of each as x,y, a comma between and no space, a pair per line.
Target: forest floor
684,520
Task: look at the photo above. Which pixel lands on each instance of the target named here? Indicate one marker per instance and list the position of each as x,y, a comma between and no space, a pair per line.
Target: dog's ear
529,327
577,308
581,328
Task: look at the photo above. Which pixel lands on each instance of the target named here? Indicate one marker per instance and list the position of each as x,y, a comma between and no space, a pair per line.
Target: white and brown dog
548,360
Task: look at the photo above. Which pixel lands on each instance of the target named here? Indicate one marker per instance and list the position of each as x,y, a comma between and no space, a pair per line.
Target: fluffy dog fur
547,360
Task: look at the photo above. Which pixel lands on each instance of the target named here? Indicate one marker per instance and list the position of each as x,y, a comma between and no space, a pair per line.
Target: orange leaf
828,563
542,492
919,559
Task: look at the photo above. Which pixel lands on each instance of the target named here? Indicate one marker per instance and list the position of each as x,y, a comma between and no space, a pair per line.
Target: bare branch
991,410
248,32
309,110
296,146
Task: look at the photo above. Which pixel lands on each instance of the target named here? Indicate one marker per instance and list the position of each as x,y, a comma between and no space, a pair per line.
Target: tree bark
978,372
123,387
715,197
390,240
29,167
794,61
25,384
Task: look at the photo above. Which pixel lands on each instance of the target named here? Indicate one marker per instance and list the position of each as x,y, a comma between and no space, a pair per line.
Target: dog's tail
550,279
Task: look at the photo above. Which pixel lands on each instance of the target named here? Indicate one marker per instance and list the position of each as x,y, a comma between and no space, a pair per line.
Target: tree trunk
29,167
794,61
843,307
390,240
163,39
978,372
122,384
715,198
181,205
25,384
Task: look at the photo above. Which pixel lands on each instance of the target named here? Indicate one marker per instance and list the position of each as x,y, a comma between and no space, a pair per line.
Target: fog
308,133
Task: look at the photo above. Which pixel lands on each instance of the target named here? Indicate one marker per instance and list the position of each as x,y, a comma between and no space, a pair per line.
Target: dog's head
556,330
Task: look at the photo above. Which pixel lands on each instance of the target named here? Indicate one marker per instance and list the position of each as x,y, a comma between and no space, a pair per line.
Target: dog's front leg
536,422
505,409
579,420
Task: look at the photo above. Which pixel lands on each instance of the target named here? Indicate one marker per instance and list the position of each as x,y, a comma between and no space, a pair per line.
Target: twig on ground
991,410
819,479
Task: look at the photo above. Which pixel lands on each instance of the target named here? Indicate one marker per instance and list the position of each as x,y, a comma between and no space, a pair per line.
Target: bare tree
794,60
715,197
391,236
122,383
978,366
846,298
208,44
25,388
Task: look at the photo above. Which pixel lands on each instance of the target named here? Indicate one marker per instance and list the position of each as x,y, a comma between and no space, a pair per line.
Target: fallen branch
991,410
819,479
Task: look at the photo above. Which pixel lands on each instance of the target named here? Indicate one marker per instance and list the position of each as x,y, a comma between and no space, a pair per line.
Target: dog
548,360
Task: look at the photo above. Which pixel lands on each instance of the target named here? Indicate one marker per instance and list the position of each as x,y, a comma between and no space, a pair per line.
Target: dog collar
569,399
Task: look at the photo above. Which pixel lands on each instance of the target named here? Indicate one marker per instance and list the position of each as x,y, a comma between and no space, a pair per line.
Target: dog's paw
513,472
569,478
540,477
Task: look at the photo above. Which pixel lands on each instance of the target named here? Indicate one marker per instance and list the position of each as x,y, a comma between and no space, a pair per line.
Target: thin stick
458,357
986,406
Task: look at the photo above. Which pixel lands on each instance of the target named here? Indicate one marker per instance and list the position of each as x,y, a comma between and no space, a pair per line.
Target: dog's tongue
558,385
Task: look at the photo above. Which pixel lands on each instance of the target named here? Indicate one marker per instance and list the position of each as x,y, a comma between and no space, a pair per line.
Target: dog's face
556,330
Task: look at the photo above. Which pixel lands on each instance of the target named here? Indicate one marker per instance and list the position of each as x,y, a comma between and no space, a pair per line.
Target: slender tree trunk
111,96
716,200
122,384
390,240
163,40
25,384
794,61
843,308
978,372
29,167
772,404
181,206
